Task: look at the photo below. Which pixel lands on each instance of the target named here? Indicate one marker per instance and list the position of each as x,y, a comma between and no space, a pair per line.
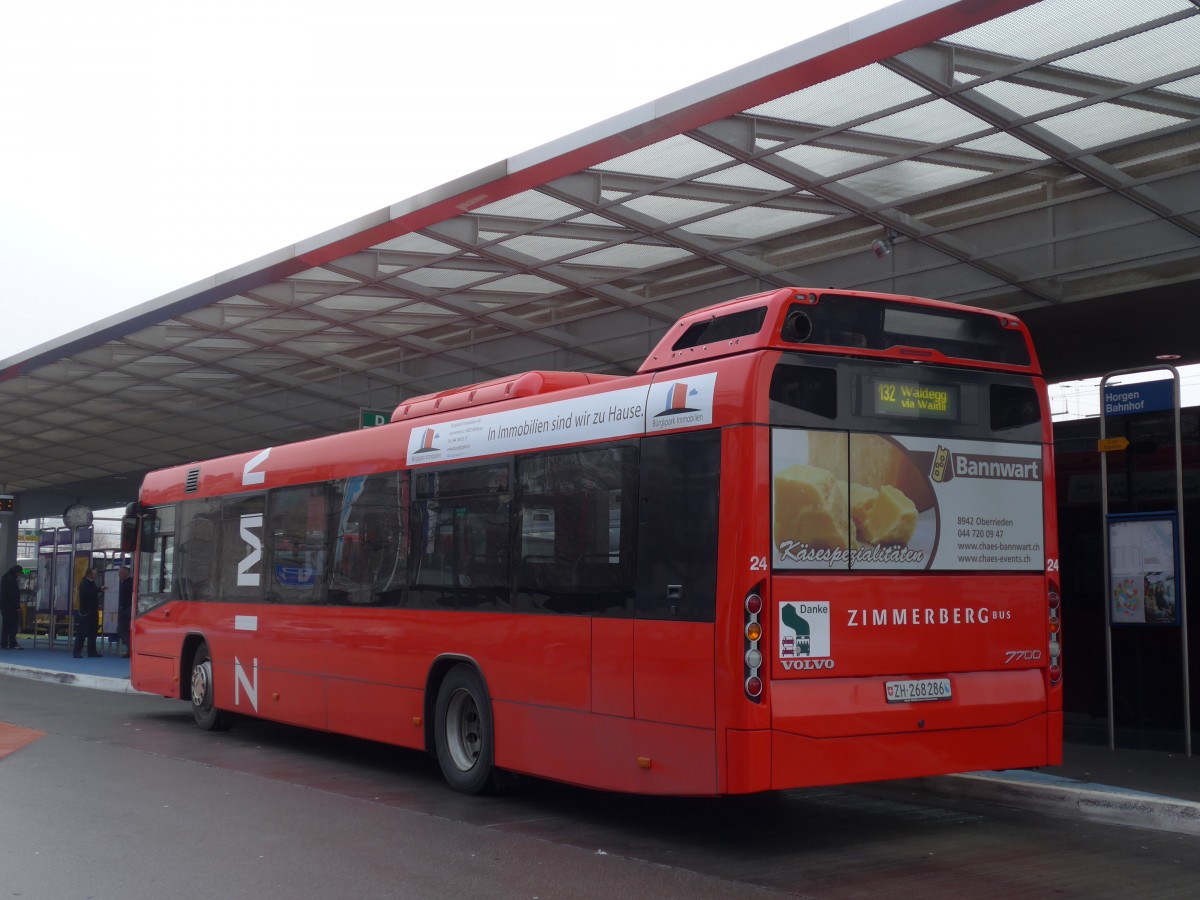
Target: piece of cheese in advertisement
874,462
809,508
891,519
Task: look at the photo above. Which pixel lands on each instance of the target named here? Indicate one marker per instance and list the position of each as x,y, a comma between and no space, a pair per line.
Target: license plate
917,689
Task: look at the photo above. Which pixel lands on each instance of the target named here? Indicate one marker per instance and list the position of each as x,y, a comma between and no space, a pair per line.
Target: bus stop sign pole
1129,399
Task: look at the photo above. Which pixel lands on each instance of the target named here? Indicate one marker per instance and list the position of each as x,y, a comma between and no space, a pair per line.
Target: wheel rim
464,730
201,685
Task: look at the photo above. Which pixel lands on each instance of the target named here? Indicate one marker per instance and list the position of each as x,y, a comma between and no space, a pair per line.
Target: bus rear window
1013,406
809,389
723,328
897,397
871,324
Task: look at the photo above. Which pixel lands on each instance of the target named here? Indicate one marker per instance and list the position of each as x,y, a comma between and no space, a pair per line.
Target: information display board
1143,569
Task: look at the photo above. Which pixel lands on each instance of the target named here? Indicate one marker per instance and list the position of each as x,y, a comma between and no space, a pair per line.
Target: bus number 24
758,564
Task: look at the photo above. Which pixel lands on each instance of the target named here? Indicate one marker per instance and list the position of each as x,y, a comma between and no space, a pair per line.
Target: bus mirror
129,526
129,532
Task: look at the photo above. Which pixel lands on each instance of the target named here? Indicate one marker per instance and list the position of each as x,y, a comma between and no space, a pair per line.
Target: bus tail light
752,633
1054,604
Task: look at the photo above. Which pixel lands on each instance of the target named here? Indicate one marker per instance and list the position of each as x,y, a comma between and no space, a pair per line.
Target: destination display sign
912,400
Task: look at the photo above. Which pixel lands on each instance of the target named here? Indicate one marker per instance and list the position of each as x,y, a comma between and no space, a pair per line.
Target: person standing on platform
89,614
124,609
10,609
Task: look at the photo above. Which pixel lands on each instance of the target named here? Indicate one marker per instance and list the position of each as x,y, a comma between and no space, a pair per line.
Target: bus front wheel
204,710
463,731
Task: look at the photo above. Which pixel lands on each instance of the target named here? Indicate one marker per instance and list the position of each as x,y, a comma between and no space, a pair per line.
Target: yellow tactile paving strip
14,737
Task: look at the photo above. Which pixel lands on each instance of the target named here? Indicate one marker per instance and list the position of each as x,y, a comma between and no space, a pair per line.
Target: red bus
811,541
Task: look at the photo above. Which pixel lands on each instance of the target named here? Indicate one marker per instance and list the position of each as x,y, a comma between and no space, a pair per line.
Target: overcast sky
147,144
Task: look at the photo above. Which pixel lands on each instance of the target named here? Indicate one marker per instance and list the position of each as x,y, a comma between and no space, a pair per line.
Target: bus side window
576,511
156,546
461,535
196,548
299,529
242,552
369,555
677,543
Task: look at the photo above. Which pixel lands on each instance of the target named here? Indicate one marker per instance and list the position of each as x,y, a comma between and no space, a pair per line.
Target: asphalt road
123,798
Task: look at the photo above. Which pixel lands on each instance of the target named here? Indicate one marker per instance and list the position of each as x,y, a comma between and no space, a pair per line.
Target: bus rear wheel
462,731
204,710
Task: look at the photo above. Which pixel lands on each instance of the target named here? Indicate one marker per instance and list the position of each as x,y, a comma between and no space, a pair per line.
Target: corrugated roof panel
1023,100
828,161
544,247
320,274
1052,26
847,98
1189,87
1103,123
529,205
907,178
752,222
632,256
356,302
744,176
523,284
671,209
677,157
1004,144
440,277
1142,57
931,123
416,243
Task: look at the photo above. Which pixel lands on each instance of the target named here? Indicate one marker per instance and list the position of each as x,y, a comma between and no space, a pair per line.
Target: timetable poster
1142,571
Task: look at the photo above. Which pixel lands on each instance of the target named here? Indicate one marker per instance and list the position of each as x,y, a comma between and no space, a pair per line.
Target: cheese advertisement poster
844,500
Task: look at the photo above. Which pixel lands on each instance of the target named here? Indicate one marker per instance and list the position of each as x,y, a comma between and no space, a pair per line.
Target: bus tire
204,710
462,731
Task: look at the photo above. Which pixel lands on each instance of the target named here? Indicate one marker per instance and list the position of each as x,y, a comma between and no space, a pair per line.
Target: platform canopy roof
1041,158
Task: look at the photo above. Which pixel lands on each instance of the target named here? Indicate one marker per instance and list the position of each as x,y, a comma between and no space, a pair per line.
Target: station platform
1140,788
55,663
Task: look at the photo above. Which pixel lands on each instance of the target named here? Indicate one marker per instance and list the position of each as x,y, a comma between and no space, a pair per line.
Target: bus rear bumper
798,761
843,730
